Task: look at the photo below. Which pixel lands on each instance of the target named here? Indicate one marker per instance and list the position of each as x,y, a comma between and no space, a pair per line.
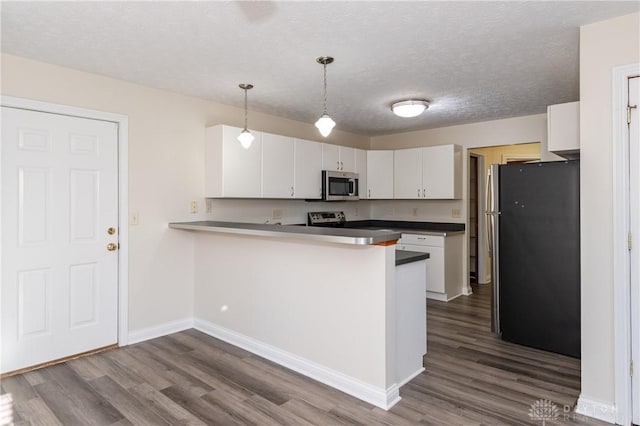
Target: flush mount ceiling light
245,137
409,108
325,124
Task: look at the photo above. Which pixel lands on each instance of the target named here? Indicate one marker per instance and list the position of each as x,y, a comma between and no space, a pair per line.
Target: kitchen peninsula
324,302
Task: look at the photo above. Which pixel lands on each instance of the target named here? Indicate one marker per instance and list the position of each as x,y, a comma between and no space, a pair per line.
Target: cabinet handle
341,165
369,193
292,191
418,192
338,164
424,193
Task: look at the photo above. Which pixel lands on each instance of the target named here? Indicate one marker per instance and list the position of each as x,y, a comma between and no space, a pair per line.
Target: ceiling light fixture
325,124
409,108
245,137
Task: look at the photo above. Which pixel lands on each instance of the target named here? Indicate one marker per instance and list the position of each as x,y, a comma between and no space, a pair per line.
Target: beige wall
603,45
166,144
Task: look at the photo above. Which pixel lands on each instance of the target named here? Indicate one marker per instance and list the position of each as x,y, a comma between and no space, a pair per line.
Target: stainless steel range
335,219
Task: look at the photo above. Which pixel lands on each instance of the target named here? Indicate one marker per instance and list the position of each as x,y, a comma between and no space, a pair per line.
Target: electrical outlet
194,207
415,211
209,205
277,214
134,219
455,212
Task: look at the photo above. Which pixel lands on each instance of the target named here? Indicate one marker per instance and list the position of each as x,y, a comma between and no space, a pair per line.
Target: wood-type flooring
189,378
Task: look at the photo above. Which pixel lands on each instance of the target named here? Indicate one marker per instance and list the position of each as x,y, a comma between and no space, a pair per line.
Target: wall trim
596,409
621,260
123,189
137,336
382,398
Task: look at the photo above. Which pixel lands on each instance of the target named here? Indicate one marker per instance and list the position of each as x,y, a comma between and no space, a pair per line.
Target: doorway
64,286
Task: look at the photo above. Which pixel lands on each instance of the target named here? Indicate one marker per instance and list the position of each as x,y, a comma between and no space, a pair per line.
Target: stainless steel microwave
339,186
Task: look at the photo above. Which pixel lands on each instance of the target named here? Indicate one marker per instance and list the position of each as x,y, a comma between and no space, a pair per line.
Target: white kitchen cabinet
380,174
563,129
444,266
407,173
277,166
442,172
231,170
308,169
361,170
338,158
433,172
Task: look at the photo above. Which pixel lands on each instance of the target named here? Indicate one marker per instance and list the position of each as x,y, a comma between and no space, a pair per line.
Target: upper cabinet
379,175
308,169
361,170
230,170
338,158
563,129
277,166
433,172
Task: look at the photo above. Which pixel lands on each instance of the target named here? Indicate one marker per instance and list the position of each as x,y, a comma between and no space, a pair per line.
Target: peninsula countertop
309,233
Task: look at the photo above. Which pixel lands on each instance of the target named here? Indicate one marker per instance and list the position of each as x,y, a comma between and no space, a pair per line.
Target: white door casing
625,189
634,228
60,197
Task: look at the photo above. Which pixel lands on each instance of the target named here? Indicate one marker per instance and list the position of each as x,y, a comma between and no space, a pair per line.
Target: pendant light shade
245,137
409,108
325,124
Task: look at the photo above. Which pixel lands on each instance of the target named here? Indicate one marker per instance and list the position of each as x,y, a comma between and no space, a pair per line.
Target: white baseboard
411,377
143,334
596,409
382,398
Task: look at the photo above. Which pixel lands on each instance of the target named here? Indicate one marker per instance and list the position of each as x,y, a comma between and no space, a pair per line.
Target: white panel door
407,173
330,157
59,199
380,174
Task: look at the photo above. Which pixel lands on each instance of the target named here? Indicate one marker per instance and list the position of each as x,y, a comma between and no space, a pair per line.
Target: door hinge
629,108
629,241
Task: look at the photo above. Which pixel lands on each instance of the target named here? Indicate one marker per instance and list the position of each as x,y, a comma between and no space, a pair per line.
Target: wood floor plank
188,378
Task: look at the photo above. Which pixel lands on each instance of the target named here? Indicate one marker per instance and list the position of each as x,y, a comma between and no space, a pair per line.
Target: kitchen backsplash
295,211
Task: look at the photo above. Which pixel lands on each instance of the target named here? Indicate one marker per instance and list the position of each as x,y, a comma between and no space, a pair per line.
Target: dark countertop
309,233
407,227
404,256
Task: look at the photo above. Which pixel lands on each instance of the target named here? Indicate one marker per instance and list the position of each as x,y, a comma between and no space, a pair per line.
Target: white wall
166,171
603,46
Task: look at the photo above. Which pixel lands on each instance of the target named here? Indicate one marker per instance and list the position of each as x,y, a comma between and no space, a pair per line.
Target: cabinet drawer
424,240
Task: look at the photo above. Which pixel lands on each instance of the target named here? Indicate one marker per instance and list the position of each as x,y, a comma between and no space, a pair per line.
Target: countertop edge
289,232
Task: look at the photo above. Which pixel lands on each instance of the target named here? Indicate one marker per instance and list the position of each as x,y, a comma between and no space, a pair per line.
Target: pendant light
409,108
325,124
245,137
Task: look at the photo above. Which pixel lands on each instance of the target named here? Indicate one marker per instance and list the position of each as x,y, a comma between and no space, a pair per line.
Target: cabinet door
380,174
442,172
241,168
308,169
407,173
277,166
347,159
435,266
361,169
330,157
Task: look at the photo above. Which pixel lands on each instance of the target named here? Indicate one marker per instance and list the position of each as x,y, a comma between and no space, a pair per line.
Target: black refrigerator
533,221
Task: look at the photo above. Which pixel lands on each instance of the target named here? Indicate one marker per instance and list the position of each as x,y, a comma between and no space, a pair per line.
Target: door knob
111,231
112,246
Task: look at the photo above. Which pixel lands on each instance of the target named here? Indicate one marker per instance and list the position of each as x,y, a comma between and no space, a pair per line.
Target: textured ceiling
474,61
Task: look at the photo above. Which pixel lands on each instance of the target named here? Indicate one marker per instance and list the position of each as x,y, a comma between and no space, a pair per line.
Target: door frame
123,195
621,259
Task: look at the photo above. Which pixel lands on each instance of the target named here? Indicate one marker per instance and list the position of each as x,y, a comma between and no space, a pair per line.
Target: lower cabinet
444,267
411,321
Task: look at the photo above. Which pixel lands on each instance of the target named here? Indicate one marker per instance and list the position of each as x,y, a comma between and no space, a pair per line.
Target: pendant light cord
325,87
245,108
